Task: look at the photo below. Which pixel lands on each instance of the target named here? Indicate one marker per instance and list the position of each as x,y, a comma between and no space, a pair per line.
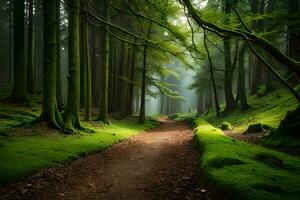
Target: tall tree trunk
85,61
50,111
30,65
132,80
293,32
103,103
19,92
72,119
212,75
241,80
229,99
59,98
143,87
11,32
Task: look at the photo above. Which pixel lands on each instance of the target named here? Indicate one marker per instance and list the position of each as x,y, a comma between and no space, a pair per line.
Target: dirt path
158,164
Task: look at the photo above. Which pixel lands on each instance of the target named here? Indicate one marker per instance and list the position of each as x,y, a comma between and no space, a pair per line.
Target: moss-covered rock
256,128
226,126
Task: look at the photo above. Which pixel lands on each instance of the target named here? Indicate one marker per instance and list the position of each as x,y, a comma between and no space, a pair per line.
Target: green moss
226,126
249,171
268,110
21,156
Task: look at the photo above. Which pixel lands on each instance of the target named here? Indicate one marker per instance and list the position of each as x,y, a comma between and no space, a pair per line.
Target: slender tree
58,64
103,104
85,62
30,64
143,87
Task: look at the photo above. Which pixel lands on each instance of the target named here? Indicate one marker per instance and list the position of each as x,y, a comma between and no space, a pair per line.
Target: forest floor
158,164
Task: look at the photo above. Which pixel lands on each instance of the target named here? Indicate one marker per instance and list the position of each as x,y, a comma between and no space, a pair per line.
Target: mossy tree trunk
103,103
50,111
19,92
72,119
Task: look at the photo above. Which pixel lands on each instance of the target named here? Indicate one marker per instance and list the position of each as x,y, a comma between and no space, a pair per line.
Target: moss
269,159
23,156
248,171
268,110
222,162
226,126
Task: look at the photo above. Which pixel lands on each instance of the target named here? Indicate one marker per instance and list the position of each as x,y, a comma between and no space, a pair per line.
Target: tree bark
72,119
49,110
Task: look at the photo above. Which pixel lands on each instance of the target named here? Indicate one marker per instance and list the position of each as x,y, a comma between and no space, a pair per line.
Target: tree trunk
50,111
19,92
72,119
241,80
143,87
59,98
293,32
85,67
229,99
132,80
212,75
30,66
103,103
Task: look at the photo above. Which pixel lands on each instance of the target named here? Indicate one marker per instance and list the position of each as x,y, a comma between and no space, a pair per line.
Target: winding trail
157,164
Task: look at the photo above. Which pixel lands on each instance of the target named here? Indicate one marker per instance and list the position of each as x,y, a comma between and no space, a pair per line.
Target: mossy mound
226,126
257,128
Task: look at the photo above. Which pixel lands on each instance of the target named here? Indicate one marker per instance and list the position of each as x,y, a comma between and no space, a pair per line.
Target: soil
158,164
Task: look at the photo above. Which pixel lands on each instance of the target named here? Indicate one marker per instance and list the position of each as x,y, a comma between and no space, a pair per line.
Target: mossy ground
24,150
248,171
268,110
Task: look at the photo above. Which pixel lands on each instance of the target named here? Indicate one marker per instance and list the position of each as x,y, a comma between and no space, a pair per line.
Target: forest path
157,164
